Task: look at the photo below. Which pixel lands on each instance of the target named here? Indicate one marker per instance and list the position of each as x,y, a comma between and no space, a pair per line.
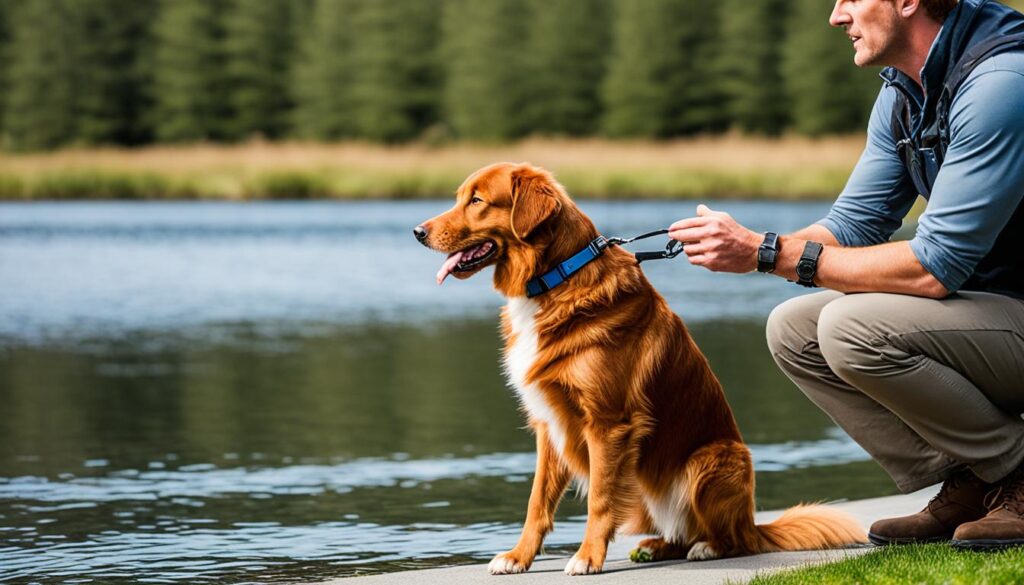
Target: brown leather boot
1004,525
961,499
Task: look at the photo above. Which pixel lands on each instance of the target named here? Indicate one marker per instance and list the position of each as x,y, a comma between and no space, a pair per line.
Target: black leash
672,249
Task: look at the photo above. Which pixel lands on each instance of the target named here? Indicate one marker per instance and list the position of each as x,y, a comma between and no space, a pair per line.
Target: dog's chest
520,356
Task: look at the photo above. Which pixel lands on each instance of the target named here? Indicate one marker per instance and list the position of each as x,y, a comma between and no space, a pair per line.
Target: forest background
349,98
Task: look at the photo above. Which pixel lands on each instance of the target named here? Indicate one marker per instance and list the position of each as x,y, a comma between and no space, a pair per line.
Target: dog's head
513,216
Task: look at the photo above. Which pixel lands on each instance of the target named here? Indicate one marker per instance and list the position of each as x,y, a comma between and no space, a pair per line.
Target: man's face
874,26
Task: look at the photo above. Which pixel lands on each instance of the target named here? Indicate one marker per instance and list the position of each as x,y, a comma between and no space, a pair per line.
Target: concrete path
618,569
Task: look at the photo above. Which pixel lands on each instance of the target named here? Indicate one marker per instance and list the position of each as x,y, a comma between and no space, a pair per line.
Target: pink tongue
448,266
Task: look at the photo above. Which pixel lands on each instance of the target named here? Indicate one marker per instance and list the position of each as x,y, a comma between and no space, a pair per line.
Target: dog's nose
421,234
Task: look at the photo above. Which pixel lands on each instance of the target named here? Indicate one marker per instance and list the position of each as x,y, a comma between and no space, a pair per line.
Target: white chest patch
669,512
519,358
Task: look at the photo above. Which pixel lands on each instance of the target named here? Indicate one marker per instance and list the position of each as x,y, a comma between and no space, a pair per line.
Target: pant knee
791,326
851,342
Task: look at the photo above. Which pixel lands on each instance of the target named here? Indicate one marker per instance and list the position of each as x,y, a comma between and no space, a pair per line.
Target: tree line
130,72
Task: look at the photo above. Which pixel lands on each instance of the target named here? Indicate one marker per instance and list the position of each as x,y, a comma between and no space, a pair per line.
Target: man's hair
938,10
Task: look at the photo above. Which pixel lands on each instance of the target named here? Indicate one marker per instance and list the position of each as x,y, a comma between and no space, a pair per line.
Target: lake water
256,392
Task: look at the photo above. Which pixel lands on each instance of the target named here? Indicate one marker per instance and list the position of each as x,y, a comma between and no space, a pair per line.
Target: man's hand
715,241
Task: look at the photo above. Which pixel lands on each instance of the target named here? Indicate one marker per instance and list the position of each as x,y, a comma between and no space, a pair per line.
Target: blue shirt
978,187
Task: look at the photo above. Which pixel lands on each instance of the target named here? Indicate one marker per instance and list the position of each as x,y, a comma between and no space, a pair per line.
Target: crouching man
917,349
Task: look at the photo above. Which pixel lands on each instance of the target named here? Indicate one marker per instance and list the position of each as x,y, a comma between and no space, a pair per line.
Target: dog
617,393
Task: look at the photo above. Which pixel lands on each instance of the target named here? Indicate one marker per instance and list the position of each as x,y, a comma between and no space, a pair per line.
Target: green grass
917,564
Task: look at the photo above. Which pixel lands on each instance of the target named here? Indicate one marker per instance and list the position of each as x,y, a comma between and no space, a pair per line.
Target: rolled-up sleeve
981,181
879,192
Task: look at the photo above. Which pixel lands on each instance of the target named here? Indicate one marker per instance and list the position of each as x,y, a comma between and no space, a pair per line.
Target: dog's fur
616,391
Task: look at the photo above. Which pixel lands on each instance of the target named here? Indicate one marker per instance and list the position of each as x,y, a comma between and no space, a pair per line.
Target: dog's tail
810,527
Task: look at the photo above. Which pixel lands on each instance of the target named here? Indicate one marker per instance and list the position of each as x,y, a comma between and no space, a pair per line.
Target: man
924,367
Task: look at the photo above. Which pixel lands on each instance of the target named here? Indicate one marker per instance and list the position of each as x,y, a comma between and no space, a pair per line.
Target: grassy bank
730,166
923,564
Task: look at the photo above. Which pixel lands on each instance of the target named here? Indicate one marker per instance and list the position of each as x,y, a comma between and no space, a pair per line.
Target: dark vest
974,31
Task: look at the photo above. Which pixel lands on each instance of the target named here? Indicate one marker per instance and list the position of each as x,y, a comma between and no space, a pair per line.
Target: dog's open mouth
467,259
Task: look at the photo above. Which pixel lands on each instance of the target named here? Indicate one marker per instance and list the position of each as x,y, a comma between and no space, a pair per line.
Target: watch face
805,270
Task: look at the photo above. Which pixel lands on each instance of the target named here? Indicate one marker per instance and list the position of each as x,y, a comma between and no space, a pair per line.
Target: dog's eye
475,200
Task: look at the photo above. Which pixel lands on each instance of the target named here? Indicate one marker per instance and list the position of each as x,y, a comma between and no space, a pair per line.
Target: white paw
701,551
503,565
577,566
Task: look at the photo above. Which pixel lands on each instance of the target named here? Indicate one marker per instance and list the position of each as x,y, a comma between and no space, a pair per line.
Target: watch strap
768,252
807,266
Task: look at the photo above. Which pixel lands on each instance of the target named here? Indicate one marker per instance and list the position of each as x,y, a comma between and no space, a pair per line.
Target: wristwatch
768,252
807,267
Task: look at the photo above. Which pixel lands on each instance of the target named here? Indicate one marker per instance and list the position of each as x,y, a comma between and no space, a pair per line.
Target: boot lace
948,486
1011,493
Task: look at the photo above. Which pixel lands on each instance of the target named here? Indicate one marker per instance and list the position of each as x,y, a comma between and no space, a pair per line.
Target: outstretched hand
715,241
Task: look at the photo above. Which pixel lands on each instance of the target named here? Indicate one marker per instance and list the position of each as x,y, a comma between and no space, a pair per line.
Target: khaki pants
925,386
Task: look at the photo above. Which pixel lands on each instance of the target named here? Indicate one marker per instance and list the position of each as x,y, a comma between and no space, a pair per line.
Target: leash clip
672,249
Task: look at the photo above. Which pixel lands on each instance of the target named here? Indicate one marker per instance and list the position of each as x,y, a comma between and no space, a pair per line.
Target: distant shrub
287,185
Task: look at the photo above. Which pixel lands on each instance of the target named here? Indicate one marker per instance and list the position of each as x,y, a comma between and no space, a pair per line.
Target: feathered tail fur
810,527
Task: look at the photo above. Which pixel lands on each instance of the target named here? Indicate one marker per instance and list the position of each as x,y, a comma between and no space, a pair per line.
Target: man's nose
421,234
838,17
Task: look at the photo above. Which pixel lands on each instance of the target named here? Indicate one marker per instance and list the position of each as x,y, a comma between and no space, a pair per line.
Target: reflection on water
363,450
221,434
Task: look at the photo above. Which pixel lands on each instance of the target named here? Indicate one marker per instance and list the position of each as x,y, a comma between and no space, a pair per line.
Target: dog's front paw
507,563
701,551
582,564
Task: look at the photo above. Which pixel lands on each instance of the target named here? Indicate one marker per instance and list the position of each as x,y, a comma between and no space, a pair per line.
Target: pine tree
323,72
827,93
660,79
112,36
190,89
258,51
42,75
566,52
5,41
394,76
483,44
749,65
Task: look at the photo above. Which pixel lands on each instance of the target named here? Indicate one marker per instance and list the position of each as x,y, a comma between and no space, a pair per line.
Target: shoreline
618,568
721,167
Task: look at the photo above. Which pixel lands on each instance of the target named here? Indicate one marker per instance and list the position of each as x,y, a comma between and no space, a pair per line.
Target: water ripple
204,481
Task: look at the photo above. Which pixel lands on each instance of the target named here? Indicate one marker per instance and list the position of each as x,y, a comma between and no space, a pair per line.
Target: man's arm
890,267
815,233
717,242
868,211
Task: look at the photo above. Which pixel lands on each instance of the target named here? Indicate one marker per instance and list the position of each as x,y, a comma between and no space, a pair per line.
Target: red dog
614,388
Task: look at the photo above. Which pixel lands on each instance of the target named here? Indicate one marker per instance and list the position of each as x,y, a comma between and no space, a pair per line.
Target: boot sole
879,540
986,544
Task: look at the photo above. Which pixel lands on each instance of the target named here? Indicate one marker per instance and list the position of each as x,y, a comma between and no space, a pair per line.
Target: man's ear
907,8
534,199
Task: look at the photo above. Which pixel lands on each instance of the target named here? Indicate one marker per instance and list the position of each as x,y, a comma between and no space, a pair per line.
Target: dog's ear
534,199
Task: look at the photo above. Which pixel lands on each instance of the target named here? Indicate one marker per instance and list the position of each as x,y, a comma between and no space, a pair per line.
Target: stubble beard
890,38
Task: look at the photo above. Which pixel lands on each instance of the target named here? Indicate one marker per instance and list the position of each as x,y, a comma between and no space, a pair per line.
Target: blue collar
545,282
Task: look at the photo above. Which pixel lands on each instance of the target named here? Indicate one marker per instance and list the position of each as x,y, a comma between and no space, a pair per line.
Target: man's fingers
696,249
698,260
686,235
688,223
705,211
